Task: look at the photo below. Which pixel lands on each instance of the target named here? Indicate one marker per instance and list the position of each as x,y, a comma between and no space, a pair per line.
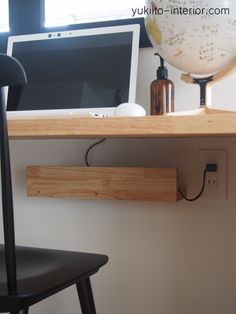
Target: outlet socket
216,182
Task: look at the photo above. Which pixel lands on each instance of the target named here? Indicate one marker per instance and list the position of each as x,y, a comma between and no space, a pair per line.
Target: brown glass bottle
162,92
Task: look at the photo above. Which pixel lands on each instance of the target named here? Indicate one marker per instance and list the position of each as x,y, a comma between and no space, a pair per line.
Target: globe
195,36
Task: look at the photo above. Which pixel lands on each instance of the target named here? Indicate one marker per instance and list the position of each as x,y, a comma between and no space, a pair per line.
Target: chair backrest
11,74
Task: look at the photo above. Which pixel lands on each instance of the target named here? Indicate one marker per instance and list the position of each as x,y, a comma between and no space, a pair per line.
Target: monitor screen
74,70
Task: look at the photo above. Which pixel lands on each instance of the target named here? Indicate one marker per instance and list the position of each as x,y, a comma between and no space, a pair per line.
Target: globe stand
202,82
205,90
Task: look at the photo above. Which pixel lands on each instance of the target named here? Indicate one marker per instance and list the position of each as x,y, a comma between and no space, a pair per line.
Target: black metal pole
7,200
203,85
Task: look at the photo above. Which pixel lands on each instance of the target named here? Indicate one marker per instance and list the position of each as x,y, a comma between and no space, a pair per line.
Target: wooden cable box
107,183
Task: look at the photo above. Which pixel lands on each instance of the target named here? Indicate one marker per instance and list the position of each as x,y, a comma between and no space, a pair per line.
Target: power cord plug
209,168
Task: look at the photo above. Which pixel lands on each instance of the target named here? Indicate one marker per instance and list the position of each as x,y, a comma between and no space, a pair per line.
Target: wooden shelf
208,125
108,182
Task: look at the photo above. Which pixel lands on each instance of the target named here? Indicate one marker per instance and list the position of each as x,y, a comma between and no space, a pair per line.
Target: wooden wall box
109,183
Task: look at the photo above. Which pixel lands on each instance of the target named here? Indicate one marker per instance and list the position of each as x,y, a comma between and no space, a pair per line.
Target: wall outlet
216,182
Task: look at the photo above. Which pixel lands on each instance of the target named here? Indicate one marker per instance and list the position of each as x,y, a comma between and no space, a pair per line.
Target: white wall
164,258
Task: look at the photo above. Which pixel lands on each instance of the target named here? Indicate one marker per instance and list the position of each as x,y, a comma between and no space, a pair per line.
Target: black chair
29,275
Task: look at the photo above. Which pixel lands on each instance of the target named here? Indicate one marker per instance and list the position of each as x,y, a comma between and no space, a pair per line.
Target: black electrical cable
209,167
88,150
201,191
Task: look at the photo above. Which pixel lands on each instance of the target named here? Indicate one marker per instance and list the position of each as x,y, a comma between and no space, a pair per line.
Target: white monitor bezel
134,28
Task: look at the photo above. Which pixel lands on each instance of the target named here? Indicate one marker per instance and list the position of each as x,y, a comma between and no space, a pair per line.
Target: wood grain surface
108,183
207,125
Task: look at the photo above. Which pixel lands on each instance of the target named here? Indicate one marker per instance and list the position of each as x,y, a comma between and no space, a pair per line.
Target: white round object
195,41
129,109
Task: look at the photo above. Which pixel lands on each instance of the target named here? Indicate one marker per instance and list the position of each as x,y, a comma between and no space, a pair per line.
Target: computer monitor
78,71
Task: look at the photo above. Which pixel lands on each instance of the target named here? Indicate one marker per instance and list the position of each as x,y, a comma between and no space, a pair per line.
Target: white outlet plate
216,182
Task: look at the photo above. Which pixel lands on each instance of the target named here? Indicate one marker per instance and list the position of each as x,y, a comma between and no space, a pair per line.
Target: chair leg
85,292
23,311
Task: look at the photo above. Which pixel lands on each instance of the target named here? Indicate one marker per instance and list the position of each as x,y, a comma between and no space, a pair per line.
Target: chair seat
43,272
